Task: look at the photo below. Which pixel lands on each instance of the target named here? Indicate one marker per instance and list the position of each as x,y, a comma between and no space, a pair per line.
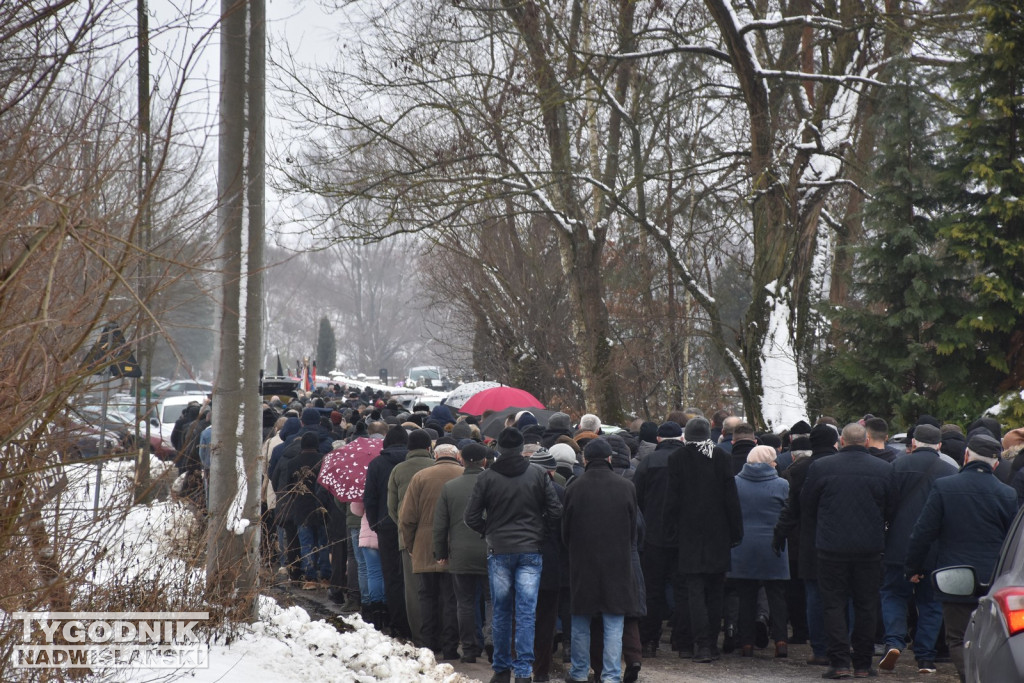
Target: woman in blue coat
762,494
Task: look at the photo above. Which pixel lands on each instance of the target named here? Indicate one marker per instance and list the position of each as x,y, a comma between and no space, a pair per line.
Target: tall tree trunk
226,551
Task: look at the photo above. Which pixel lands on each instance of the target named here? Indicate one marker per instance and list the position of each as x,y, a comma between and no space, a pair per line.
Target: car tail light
1011,603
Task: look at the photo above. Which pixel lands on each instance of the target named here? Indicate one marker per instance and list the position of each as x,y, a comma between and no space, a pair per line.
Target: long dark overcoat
599,530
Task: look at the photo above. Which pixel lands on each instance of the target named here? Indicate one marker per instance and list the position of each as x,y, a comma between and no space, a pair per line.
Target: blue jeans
897,593
514,575
315,550
611,662
815,619
357,552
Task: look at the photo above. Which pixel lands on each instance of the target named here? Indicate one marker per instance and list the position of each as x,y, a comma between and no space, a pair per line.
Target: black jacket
915,473
375,496
738,456
852,494
599,528
796,524
296,477
967,517
703,508
511,504
887,454
651,482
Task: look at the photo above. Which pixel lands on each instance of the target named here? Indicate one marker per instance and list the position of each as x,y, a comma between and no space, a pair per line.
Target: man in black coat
296,479
967,516
703,512
796,522
658,558
915,473
744,438
599,530
375,498
852,494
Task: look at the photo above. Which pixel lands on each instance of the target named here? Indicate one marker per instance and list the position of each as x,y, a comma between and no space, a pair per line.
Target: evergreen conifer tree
988,230
326,349
904,353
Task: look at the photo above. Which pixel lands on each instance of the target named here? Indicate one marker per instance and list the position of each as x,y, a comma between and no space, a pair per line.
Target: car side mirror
155,422
959,582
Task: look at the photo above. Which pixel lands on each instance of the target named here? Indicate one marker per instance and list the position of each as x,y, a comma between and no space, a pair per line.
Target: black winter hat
474,452
823,436
598,449
310,440
510,437
800,427
985,446
649,432
310,417
396,436
510,442
419,439
769,439
697,429
670,430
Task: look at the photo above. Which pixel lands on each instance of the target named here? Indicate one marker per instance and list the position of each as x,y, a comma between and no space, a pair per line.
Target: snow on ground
286,646
142,542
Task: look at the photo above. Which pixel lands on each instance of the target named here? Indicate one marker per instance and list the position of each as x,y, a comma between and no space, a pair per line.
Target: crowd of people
600,540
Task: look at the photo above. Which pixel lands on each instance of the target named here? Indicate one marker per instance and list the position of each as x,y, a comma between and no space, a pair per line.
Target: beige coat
416,515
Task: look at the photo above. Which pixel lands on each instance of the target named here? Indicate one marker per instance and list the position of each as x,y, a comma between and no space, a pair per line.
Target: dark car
994,639
72,437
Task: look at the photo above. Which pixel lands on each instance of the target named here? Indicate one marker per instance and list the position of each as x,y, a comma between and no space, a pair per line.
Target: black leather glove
778,545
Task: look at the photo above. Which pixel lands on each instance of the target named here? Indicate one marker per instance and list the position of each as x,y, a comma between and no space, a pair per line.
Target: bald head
854,434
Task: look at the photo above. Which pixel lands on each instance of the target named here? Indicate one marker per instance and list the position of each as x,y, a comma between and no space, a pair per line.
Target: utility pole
143,485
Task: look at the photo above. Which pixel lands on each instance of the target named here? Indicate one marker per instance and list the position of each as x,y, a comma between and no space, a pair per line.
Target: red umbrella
499,398
343,472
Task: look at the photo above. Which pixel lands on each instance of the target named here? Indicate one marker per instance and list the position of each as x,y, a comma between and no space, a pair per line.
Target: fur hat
801,427
1013,438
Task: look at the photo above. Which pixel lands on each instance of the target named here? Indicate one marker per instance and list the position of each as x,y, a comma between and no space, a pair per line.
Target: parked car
73,437
994,639
182,387
168,410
